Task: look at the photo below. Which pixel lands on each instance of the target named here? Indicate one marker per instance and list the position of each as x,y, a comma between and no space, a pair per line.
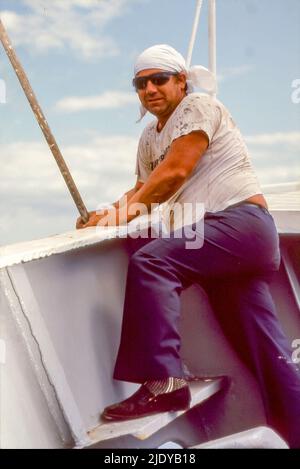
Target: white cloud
278,173
107,100
275,156
10,19
291,138
234,71
28,168
72,25
35,197
40,5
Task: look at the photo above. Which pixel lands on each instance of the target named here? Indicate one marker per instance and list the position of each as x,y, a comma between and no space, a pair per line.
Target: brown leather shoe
143,403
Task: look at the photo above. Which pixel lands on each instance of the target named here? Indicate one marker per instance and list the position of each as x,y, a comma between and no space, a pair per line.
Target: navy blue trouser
235,264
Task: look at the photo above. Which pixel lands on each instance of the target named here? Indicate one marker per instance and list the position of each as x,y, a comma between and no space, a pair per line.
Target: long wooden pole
20,72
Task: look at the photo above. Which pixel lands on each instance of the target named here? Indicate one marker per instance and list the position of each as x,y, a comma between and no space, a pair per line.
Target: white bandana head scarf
164,57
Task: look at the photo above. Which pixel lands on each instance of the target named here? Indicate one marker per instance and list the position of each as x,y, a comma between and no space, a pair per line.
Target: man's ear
182,80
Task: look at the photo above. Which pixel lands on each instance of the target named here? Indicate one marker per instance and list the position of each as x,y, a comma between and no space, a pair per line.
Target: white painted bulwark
2,352
65,314
255,438
61,303
27,419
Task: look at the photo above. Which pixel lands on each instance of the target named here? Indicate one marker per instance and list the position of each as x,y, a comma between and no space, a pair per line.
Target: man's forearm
160,186
125,198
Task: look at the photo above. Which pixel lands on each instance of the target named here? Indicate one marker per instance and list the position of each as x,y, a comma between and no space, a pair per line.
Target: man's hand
104,217
92,221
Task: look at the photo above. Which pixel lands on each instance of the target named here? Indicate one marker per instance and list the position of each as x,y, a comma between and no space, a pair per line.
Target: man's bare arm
169,175
128,195
118,205
163,182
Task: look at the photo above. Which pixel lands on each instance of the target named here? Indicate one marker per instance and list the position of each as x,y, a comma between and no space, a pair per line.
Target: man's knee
138,262
137,258
147,258
144,254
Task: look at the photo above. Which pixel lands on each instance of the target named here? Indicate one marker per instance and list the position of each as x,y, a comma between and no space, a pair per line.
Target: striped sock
162,386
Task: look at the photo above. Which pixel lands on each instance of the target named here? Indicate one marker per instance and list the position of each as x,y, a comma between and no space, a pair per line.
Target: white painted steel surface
255,438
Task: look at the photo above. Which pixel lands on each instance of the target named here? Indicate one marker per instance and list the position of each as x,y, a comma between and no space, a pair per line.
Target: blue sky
79,56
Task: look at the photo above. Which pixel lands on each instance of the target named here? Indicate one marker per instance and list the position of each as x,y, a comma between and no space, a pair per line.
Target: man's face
162,100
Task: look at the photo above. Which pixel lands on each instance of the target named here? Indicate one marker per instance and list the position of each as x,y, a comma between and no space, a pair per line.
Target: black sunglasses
158,79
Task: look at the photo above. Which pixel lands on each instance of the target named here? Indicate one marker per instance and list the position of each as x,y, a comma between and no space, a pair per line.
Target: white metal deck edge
287,221
17,253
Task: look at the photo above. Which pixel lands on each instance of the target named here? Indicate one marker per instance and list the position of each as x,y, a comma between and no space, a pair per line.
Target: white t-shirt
223,176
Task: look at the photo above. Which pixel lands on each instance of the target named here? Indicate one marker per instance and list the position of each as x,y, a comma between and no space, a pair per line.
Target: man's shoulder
196,104
200,98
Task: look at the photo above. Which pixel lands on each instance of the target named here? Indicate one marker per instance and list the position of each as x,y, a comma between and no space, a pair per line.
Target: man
193,152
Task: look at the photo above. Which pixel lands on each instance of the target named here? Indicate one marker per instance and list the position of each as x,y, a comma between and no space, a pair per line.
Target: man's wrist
122,216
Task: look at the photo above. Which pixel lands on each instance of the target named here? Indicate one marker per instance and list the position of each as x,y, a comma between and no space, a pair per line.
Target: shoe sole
137,416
